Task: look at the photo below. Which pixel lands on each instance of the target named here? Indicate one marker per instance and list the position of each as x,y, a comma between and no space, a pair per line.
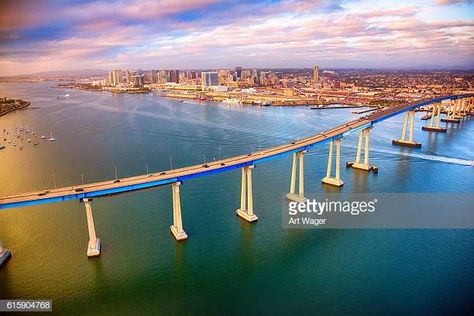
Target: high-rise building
315,74
115,77
138,80
154,76
128,76
208,79
238,72
174,76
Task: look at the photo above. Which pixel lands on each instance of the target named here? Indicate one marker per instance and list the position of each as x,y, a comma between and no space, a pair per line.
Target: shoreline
11,105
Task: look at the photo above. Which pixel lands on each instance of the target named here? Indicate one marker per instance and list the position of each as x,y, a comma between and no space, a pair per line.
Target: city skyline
211,34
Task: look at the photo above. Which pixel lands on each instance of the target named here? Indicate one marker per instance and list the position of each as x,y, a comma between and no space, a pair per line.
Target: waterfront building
154,76
115,77
174,76
316,74
209,79
128,76
138,80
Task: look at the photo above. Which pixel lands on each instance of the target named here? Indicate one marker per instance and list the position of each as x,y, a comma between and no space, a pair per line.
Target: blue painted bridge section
113,187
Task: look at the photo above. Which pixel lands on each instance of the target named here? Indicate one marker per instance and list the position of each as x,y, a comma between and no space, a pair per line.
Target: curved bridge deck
111,187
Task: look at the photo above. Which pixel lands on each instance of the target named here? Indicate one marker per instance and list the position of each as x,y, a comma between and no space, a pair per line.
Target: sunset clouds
52,35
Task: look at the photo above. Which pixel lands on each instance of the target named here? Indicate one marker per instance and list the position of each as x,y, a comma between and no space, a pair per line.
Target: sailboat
52,139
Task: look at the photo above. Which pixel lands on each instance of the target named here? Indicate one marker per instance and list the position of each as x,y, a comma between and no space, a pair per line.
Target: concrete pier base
93,250
296,197
245,215
362,166
333,181
450,120
434,129
178,235
406,143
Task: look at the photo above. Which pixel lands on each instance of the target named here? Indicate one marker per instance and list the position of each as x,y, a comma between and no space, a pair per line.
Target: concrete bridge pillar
177,227
450,114
365,165
246,196
292,195
435,114
334,181
458,108
94,245
4,253
409,120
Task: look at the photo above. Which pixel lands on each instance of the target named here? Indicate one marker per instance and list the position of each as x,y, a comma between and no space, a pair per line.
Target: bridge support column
334,181
470,102
450,114
246,196
177,227
458,108
365,165
94,245
292,195
4,253
409,116
436,114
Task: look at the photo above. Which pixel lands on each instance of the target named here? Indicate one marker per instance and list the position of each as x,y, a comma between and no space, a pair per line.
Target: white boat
52,139
43,136
67,95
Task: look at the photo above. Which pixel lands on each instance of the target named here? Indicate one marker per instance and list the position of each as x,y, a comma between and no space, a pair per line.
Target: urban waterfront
226,264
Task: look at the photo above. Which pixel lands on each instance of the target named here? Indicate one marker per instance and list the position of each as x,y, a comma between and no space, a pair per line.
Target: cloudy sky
66,35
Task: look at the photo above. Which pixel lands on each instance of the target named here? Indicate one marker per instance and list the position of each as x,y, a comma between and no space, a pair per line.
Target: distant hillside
68,73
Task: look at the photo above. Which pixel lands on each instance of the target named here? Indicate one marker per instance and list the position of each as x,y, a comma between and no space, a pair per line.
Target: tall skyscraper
154,76
174,76
208,78
238,72
128,76
115,77
315,74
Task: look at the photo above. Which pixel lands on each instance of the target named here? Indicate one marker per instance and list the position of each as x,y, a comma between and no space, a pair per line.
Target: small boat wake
445,159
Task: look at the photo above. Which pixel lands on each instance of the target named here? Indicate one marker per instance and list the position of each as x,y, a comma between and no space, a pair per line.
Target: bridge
454,107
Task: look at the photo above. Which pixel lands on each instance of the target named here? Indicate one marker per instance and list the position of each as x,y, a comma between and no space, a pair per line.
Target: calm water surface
226,265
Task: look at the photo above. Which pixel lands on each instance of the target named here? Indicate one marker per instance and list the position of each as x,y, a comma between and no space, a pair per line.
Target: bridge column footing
450,120
333,181
296,197
178,235
362,166
405,143
94,248
434,129
245,215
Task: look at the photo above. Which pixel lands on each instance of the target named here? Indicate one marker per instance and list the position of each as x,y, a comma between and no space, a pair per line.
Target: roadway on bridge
117,186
